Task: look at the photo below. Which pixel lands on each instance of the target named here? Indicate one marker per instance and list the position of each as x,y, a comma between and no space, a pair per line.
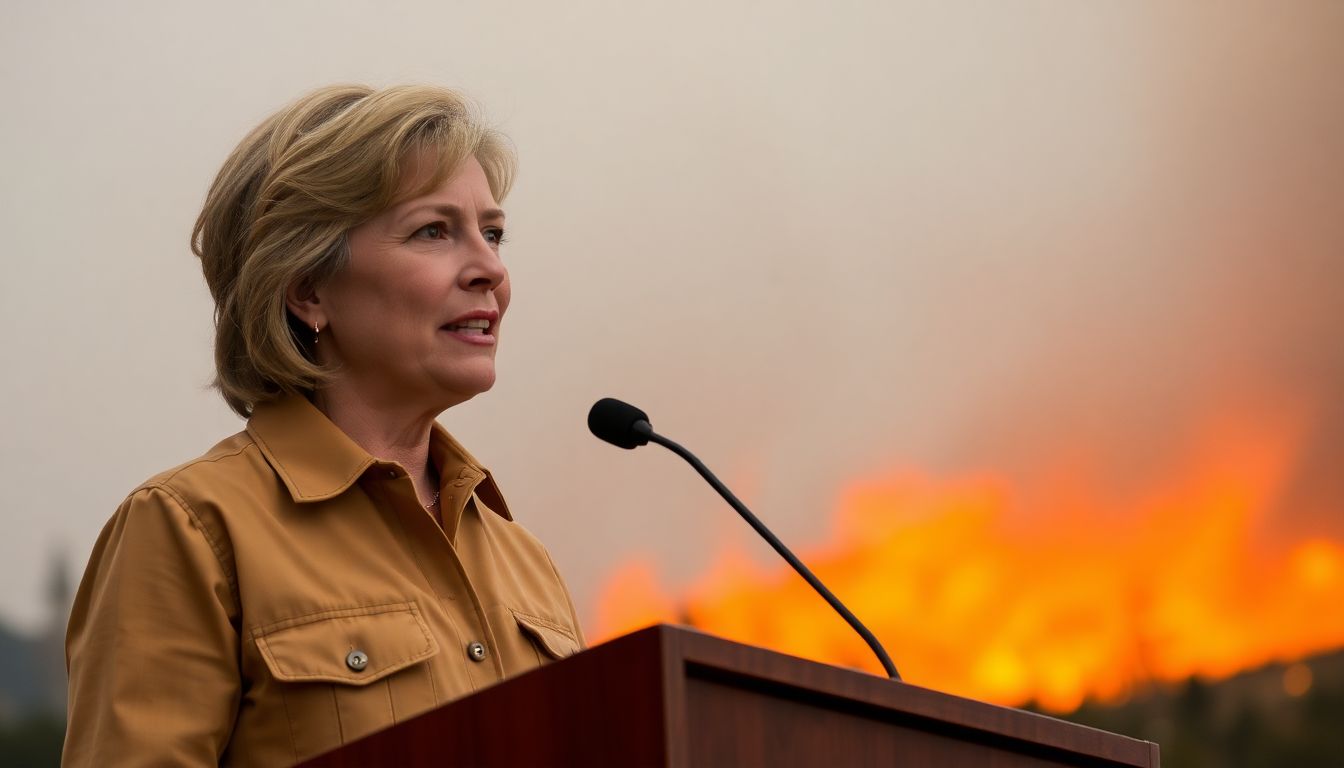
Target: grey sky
813,240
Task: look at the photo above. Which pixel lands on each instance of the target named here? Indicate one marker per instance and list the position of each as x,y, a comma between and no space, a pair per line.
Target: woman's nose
484,269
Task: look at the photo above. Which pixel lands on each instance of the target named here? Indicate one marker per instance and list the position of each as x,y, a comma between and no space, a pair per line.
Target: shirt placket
441,569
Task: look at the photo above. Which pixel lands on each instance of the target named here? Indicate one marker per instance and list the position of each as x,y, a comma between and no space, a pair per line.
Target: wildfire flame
1013,591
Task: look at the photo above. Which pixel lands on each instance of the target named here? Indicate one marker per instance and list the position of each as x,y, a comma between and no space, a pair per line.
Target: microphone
626,426
618,423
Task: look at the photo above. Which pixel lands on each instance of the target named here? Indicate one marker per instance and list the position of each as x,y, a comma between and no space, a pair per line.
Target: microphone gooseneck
626,426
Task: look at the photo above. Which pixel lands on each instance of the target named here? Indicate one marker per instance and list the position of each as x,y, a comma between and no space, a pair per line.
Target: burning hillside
1048,589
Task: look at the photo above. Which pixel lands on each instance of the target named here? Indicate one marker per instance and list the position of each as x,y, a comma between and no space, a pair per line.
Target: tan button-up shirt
287,593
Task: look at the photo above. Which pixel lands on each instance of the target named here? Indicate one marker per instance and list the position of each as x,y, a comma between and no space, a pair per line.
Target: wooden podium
670,696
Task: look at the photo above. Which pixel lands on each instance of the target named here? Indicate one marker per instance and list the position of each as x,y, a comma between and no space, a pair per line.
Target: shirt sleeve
152,646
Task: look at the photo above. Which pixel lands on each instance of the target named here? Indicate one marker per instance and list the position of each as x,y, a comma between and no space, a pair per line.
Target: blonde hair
280,208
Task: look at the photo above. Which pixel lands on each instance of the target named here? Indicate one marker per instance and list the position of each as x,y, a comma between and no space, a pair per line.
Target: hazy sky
813,240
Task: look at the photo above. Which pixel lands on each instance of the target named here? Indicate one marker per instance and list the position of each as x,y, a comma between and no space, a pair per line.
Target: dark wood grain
669,696
788,678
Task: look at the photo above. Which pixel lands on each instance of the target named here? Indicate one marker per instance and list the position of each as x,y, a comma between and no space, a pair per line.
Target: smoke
1227,271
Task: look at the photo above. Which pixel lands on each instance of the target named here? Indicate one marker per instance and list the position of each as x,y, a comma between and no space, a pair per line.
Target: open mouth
479,327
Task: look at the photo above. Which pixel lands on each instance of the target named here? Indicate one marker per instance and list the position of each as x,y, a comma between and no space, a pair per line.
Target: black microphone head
614,421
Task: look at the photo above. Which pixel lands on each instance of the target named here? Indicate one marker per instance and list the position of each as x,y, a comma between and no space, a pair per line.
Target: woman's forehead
464,187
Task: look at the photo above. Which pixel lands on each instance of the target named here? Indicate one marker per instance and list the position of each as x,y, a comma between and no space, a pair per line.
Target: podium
670,696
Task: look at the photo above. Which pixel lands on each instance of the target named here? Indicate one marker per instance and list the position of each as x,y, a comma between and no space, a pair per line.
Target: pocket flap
354,646
555,639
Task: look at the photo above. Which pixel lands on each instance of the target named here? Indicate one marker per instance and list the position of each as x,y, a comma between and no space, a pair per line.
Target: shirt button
357,660
476,651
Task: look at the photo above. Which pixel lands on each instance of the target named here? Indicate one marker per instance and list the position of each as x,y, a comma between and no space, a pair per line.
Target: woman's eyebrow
449,211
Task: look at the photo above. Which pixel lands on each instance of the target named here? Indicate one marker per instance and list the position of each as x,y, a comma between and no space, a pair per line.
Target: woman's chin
464,385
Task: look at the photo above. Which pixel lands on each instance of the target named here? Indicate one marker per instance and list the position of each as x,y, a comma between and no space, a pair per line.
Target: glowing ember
1015,592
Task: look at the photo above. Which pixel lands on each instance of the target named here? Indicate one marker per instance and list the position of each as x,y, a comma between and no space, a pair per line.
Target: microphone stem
644,428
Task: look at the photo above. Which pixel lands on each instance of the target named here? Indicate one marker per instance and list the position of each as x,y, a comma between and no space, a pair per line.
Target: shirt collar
459,469
317,461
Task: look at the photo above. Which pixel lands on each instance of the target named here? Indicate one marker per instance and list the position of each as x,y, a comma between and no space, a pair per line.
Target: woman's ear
302,300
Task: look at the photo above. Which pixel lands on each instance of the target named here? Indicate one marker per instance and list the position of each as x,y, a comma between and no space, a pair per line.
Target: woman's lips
477,331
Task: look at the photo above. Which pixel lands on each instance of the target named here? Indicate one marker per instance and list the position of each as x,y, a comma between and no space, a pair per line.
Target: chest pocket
347,673
554,639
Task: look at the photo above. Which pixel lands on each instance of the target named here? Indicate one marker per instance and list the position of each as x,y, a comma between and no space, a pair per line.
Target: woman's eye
430,231
494,235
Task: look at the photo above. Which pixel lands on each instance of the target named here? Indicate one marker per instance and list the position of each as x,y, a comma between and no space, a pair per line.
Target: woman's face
414,317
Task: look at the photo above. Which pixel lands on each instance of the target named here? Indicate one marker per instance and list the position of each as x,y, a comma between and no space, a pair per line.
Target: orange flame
1038,592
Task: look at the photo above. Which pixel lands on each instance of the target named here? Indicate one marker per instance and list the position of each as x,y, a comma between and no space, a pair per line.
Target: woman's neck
386,434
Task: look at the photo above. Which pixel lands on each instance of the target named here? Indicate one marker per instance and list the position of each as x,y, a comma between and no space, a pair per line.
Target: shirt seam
546,623
215,548
415,554
293,729
367,609
577,631
199,460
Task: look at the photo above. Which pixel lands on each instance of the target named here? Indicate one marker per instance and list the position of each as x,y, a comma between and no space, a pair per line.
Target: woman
342,564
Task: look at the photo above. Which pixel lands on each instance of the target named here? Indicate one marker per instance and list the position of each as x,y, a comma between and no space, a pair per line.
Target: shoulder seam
205,534
199,460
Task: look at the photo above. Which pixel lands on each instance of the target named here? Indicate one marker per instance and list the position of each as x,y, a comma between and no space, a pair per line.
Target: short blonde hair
280,208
